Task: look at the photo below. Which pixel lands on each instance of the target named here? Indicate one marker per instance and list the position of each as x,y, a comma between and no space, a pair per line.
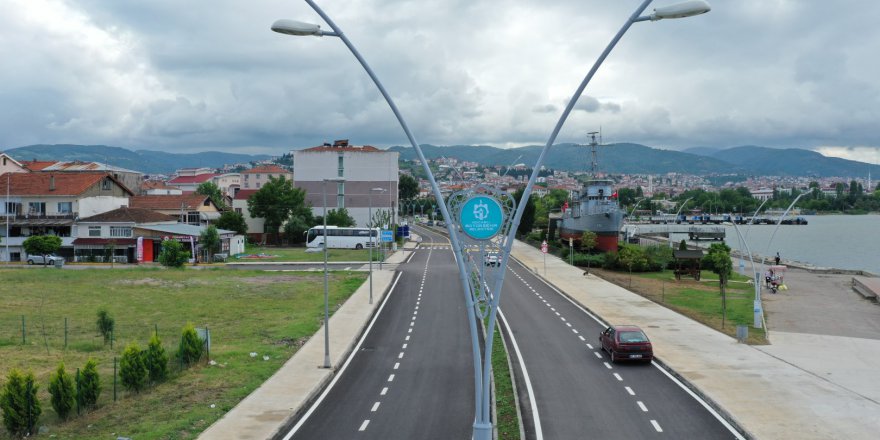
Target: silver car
43,259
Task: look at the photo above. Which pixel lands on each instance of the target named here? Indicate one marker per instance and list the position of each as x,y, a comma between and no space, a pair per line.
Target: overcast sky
197,75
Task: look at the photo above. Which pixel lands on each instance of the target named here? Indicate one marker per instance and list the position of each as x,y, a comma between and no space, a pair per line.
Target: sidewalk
801,387
267,410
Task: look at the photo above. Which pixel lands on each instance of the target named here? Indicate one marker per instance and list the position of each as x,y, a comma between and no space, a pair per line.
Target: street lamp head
681,10
293,27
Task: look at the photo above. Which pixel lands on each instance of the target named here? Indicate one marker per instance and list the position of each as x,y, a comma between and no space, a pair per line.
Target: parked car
492,259
41,259
626,342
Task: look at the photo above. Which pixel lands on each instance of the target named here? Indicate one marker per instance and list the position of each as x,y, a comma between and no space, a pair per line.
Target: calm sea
839,241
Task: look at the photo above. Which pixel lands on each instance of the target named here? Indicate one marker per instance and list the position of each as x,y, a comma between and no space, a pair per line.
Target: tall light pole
668,232
326,292
482,421
372,242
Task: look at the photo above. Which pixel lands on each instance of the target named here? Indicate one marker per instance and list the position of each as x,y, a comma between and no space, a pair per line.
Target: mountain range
620,158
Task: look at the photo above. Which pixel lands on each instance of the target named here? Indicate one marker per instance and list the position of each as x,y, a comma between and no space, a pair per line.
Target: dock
867,287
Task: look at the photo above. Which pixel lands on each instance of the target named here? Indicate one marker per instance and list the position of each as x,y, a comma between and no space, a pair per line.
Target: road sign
481,217
544,246
387,237
570,242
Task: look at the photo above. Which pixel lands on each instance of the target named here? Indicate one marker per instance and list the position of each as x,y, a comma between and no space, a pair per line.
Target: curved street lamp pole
372,240
482,420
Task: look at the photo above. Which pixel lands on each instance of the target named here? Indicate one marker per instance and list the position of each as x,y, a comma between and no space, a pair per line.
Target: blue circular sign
481,217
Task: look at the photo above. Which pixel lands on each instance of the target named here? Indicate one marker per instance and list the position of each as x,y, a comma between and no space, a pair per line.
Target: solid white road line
536,416
339,374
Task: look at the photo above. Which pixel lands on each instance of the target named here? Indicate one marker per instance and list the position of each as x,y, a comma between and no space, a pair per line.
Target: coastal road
578,392
412,375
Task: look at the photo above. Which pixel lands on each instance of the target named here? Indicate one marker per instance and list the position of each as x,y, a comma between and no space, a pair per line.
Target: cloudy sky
209,75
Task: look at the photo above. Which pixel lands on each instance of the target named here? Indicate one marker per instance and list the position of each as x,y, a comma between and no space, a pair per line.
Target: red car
626,342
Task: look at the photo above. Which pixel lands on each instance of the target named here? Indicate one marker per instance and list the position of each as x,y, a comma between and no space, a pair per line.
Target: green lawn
270,314
299,254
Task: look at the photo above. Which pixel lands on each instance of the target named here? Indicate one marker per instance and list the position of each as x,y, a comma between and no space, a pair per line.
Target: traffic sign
387,236
544,246
481,217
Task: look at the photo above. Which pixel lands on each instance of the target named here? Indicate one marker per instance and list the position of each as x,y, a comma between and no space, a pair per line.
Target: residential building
131,179
189,179
49,204
364,168
113,231
255,226
10,165
159,188
256,177
152,236
762,194
192,209
228,183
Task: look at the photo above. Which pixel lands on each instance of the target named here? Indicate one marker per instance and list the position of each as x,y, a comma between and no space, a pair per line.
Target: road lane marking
339,374
574,330
630,391
364,425
396,365
391,378
384,391
590,346
582,338
568,324
607,365
617,376
409,331
412,323
598,355
656,426
536,417
642,406
557,314
375,407
404,346
400,356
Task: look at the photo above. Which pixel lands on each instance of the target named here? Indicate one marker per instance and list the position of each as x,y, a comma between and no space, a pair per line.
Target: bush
61,388
21,408
191,346
157,360
133,368
173,254
88,386
105,324
588,260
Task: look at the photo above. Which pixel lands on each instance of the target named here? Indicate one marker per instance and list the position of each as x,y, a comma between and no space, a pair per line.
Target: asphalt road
578,392
412,377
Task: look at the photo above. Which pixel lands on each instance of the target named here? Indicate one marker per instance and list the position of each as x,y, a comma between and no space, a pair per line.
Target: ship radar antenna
594,156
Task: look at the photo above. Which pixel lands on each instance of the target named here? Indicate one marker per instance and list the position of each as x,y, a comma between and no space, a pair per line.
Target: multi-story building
192,209
370,178
131,179
256,177
49,204
256,225
189,179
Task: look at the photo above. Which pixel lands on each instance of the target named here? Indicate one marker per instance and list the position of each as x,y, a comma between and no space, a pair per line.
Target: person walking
777,258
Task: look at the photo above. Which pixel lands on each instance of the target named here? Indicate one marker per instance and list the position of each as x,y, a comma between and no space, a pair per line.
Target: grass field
700,300
299,254
270,314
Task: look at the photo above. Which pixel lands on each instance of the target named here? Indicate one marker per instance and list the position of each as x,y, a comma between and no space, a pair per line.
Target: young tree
88,386
157,360
719,260
105,324
173,254
61,388
407,187
232,221
191,346
275,202
211,190
20,405
209,240
133,368
41,245
340,217
588,240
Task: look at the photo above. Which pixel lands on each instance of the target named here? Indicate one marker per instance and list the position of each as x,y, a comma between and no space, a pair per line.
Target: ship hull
605,225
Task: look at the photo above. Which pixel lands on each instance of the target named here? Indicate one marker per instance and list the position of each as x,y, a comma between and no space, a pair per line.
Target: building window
193,218
65,207
120,231
258,184
94,231
238,210
207,202
37,208
105,184
13,208
258,176
340,165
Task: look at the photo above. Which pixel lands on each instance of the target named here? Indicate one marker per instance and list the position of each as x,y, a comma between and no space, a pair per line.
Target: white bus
342,238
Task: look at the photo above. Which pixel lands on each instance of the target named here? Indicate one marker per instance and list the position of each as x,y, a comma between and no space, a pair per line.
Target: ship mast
594,156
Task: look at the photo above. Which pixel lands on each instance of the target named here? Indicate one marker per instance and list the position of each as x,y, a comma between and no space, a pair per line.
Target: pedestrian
777,258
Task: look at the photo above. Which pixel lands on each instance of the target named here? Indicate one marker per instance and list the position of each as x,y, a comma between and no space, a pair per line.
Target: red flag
614,196
564,206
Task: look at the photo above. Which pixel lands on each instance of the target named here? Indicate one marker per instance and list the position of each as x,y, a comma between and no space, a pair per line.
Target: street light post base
482,431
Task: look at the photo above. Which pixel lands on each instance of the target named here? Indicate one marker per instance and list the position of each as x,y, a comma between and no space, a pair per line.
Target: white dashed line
581,338
574,330
554,309
375,407
412,323
364,425
391,378
384,391
598,355
557,314
396,365
400,356
617,376
404,346
590,346
407,338
409,331
607,365
630,391
642,406
656,426
568,324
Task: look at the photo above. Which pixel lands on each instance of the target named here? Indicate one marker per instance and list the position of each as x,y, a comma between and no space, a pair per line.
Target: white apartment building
371,178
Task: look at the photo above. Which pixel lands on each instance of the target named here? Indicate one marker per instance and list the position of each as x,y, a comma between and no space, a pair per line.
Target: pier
867,287
674,232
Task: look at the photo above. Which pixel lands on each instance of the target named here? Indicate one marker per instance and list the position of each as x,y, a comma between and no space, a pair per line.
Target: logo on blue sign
481,217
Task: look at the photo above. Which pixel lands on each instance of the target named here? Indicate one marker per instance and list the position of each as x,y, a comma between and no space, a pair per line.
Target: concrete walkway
803,386
267,410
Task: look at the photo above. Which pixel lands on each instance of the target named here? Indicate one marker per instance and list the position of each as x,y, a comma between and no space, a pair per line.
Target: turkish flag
614,196
564,206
